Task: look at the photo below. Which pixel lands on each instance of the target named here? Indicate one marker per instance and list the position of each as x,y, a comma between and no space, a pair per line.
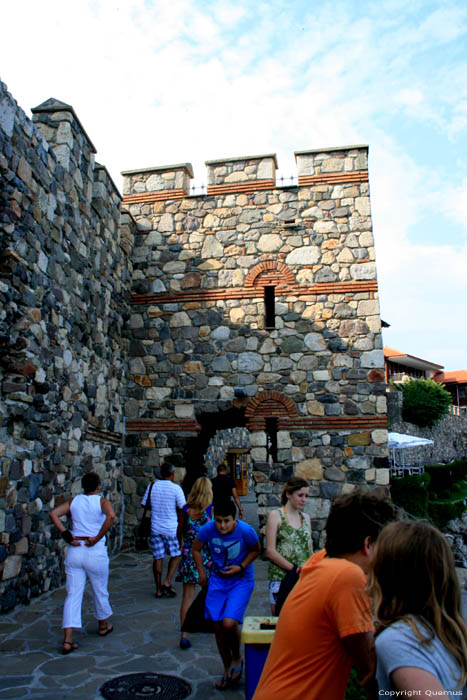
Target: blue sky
170,81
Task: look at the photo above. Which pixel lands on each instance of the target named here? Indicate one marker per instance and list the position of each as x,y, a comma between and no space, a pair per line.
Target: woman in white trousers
92,516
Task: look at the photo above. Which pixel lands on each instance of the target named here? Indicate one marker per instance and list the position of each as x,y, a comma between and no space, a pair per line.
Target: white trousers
80,562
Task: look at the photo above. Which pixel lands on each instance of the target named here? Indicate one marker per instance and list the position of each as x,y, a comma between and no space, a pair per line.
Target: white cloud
158,82
455,204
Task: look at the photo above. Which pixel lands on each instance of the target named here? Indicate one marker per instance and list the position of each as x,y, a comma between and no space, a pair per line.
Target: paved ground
145,639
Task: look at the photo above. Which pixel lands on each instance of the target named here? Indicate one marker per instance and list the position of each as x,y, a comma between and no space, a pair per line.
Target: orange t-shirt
307,660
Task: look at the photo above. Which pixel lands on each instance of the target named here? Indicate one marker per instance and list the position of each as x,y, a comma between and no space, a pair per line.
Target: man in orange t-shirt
326,626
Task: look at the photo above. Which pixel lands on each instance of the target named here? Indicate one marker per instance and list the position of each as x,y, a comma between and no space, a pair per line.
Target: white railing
458,410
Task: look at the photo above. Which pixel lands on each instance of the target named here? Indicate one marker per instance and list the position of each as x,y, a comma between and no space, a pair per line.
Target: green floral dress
293,545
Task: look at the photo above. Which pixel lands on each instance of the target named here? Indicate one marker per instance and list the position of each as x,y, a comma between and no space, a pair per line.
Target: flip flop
236,673
106,630
184,643
223,684
72,646
169,591
158,594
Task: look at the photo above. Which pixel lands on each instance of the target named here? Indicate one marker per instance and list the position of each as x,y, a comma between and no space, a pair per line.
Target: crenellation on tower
165,180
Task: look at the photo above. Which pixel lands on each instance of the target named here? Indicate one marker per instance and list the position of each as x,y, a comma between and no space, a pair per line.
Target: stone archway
221,442
210,422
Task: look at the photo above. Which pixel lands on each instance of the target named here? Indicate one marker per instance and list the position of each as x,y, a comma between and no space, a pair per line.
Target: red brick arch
269,274
271,404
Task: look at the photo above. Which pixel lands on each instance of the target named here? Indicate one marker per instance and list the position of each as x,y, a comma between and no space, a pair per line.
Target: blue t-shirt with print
231,549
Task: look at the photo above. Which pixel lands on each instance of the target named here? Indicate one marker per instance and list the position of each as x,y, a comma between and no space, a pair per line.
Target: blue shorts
228,597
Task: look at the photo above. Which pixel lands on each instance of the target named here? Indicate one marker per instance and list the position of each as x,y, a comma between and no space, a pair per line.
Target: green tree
425,402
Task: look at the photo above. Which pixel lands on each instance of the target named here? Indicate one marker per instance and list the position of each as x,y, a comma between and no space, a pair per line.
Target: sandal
184,643
105,630
68,647
236,673
169,591
223,684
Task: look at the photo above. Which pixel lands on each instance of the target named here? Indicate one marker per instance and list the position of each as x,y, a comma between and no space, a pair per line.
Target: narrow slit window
269,305
271,439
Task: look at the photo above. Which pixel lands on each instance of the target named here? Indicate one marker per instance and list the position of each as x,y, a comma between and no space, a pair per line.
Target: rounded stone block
11,567
310,469
382,477
380,437
359,439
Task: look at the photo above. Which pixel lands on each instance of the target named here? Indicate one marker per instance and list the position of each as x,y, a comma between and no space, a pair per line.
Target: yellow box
258,630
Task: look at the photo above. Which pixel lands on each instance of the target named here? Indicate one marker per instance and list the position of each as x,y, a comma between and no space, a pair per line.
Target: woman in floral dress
197,512
288,535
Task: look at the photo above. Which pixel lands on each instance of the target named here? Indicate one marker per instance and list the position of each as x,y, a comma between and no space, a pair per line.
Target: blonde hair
200,496
413,574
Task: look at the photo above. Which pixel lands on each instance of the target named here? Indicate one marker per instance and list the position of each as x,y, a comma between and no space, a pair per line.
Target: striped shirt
166,497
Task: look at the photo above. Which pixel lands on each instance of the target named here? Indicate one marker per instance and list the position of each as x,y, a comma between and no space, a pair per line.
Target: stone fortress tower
256,305
142,328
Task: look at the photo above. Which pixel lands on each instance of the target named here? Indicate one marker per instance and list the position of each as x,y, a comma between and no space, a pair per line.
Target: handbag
287,583
143,530
195,621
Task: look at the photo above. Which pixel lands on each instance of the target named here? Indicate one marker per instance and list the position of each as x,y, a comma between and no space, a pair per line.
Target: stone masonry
64,280
166,325
202,344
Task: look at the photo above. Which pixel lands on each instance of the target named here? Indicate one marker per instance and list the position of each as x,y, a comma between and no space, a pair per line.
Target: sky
158,82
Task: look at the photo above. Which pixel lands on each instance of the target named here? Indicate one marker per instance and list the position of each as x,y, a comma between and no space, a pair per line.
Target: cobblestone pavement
145,639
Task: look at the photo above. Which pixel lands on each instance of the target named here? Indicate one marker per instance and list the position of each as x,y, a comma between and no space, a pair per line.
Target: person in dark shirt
223,489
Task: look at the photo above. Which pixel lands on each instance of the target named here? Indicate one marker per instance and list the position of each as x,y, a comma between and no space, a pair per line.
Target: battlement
241,174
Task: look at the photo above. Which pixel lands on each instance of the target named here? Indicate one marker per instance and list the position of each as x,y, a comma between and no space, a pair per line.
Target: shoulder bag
143,530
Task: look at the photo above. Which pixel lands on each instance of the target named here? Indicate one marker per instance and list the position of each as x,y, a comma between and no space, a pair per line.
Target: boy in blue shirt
234,546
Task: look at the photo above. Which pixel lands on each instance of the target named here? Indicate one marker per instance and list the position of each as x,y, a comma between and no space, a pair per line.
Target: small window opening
271,439
269,304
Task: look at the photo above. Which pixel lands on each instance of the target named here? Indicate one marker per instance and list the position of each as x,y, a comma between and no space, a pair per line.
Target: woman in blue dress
197,512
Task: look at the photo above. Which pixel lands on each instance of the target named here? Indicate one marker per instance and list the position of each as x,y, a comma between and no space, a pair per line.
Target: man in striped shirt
166,502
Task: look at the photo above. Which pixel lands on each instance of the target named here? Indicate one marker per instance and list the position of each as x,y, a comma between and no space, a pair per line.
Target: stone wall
449,435
176,327
64,282
204,358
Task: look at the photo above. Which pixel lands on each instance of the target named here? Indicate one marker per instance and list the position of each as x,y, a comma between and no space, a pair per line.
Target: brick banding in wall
332,422
356,177
158,425
271,404
150,197
256,423
253,292
241,187
103,436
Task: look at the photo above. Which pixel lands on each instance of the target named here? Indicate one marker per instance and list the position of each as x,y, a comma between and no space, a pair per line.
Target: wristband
67,536
242,567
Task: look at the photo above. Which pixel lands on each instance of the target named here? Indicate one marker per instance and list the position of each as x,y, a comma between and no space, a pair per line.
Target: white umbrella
399,441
